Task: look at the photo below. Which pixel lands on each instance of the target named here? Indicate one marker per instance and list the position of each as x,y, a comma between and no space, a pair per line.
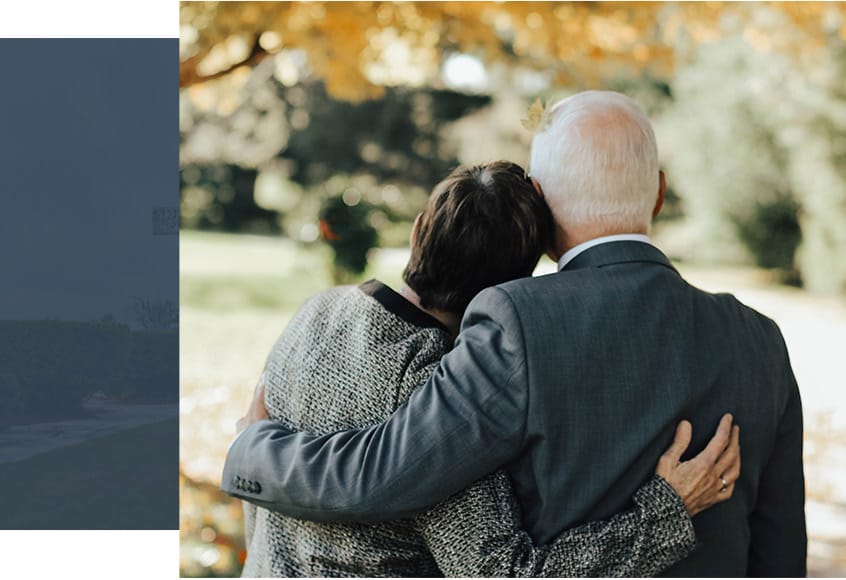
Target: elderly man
573,382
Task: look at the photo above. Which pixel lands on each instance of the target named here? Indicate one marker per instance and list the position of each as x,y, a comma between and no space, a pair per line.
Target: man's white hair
597,162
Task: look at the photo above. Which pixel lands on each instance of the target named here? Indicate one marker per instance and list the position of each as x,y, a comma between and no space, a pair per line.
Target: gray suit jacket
574,383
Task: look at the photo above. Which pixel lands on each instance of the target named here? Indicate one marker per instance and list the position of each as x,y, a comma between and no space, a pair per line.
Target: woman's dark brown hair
483,225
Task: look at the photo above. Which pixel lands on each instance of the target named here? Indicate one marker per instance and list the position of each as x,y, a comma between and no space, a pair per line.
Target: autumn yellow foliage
358,48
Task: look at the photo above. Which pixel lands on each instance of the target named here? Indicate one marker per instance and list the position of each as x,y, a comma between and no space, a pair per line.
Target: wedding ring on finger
725,484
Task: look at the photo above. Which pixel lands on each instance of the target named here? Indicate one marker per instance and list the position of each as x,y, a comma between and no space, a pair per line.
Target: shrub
350,235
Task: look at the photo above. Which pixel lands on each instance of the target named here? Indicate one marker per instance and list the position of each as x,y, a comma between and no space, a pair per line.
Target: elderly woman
483,225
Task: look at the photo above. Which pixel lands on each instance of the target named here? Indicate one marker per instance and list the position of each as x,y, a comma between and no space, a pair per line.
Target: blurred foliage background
312,133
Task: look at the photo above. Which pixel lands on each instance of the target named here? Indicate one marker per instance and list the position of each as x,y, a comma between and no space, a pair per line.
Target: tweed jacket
317,379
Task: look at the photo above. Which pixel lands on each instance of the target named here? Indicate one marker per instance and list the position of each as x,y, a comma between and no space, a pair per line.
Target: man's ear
554,242
662,194
537,186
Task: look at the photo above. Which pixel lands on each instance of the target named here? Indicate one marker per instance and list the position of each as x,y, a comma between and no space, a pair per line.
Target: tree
290,148
220,196
358,48
754,145
752,117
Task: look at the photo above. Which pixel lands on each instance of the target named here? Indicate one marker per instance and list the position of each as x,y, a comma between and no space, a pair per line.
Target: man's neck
450,320
570,237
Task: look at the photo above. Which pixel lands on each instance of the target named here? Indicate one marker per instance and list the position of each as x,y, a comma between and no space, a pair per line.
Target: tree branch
188,75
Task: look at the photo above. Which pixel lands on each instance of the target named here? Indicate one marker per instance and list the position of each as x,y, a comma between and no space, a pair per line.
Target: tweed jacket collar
621,252
396,304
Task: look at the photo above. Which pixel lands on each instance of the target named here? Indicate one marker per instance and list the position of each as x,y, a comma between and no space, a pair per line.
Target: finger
725,495
258,390
722,496
731,454
260,382
261,407
257,406
729,460
732,472
718,442
684,432
729,491
258,395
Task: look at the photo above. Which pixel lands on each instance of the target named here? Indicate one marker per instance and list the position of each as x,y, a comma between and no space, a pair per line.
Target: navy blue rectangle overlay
89,281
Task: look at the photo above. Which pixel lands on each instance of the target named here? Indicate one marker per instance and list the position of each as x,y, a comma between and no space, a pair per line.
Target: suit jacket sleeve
466,421
778,545
476,533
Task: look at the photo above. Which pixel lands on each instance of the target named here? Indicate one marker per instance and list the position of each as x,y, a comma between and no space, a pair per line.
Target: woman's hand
257,410
709,477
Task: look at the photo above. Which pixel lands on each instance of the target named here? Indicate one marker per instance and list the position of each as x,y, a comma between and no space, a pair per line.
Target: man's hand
709,477
257,411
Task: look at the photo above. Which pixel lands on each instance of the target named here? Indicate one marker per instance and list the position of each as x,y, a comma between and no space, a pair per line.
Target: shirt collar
576,250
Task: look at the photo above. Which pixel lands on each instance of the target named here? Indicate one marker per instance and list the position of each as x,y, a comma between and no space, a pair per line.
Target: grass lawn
127,480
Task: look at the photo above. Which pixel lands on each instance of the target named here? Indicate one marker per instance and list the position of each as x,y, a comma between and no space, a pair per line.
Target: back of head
596,161
483,225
